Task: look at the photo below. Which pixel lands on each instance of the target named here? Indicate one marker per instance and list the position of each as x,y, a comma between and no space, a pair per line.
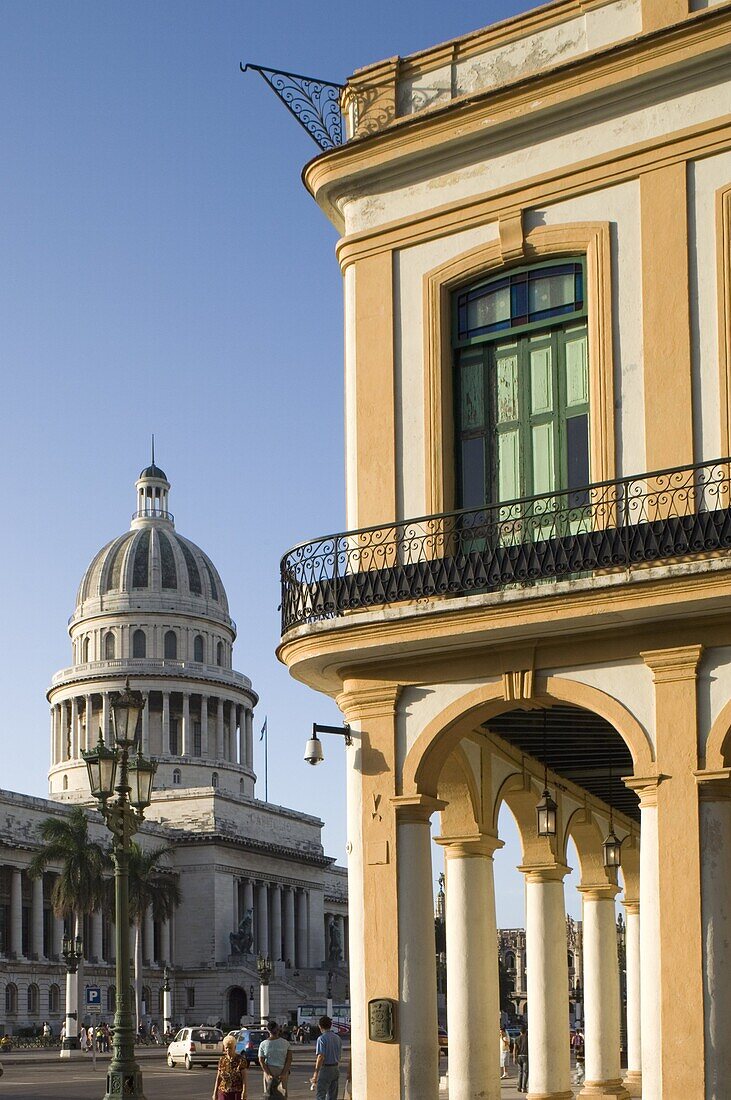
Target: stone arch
463,815
719,742
520,794
583,828
428,754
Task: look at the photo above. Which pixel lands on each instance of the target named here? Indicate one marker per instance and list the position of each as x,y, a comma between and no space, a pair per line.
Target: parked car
196,1046
343,1030
247,1043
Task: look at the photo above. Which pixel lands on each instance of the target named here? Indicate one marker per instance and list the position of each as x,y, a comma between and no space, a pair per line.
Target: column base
548,1095
613,1090
633,1082
71,1051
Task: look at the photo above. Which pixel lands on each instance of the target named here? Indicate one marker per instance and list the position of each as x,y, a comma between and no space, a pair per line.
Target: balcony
650,518
151,666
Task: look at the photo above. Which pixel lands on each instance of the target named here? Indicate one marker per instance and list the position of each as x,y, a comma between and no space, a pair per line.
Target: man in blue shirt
328,1050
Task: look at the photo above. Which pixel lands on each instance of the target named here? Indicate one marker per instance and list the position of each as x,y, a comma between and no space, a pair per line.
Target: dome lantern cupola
152,488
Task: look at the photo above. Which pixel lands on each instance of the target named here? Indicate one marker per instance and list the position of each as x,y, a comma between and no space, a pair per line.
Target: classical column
165,942
248,896
90,739
249,722
74,737
241,712
146,725
36,946
219,730
105,718
16,912
301,929
187,745
548,983
232,732
417,951
276,905
289,935
473,992
62,742
57,932
715,822
166,721
601,993
204,726
633,1077
96,952
54,755
149,937
262,918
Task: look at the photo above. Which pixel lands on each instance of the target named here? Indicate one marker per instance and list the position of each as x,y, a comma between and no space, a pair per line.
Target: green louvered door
523,425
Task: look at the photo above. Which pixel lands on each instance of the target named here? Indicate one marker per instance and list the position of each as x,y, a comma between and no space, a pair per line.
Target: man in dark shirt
520,1051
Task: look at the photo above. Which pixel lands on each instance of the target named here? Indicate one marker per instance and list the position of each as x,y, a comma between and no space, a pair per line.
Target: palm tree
150,886
79,888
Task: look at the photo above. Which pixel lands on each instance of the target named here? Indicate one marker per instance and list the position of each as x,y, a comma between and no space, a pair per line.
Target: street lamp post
72,951
329,1008
167,1002
264,966
123,816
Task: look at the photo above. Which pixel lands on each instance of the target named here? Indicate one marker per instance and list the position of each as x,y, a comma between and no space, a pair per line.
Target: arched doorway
237,1005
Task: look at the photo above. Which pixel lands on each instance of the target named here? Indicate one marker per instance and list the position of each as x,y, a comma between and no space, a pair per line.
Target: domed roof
153,559
154,471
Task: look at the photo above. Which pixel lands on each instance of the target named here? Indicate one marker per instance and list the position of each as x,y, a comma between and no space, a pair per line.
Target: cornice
362,703
597,72
670,665
249,844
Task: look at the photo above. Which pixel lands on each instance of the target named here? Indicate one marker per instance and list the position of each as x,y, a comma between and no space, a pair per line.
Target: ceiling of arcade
575,745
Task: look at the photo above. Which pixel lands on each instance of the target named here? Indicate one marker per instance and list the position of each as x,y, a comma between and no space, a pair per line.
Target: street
27,1079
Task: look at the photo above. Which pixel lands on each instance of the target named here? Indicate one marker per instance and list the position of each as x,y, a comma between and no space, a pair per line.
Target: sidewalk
45,1057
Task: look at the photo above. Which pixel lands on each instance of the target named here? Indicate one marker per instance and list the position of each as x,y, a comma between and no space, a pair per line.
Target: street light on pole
72,951
264,966
123,816
329,1008
167,1002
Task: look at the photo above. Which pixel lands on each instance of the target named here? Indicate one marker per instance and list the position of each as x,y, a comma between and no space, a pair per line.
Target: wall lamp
313,748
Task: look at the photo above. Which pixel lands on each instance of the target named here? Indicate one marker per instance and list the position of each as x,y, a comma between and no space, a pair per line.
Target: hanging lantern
141,776
612,849
127,706
546,812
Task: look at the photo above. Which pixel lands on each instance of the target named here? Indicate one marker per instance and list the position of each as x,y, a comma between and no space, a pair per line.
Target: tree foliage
79,887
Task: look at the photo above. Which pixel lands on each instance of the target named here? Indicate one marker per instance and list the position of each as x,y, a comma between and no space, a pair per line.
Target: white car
196,1046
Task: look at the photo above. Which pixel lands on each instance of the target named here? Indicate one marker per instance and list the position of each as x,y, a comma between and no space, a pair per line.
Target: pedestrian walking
580,1057
520,1050
275,1059
230,1083
328,1052
83,1039
504,1052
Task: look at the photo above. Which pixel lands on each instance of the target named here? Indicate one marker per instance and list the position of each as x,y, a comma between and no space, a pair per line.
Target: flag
263,730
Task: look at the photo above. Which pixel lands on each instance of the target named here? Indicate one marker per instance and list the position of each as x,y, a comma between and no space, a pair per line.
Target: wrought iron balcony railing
648,518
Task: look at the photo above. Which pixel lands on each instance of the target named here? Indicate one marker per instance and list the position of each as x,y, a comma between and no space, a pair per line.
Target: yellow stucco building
534,588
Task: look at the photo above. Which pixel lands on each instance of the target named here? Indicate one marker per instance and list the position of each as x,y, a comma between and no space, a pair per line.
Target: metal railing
613,524
153,666
153,513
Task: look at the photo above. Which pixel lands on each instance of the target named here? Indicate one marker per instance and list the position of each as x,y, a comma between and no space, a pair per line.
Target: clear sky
163,269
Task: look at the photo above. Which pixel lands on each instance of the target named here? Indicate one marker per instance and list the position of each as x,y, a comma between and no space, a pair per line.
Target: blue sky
164,270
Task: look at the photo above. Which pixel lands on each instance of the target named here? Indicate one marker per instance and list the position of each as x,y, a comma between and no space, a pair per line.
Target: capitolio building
529,604
253,876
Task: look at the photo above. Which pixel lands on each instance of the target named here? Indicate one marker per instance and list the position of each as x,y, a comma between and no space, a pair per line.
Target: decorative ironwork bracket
314,103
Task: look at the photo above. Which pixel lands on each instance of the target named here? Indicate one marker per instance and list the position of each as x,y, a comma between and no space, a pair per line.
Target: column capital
632,905
599,891
416,807
481,845
714,786
549,872
368,701
645,787
668,665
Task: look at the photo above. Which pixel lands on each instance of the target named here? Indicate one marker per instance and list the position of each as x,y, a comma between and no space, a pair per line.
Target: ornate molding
360,703
512,239
671,665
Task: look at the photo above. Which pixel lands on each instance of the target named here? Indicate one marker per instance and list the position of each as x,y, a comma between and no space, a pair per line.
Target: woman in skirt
231,1077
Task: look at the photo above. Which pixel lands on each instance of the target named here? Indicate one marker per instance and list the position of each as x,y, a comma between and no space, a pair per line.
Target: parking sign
93,998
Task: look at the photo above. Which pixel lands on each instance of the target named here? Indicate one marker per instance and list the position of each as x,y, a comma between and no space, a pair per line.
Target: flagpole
266,762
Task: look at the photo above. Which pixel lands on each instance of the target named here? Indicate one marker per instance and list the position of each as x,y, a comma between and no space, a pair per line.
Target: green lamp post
115,771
